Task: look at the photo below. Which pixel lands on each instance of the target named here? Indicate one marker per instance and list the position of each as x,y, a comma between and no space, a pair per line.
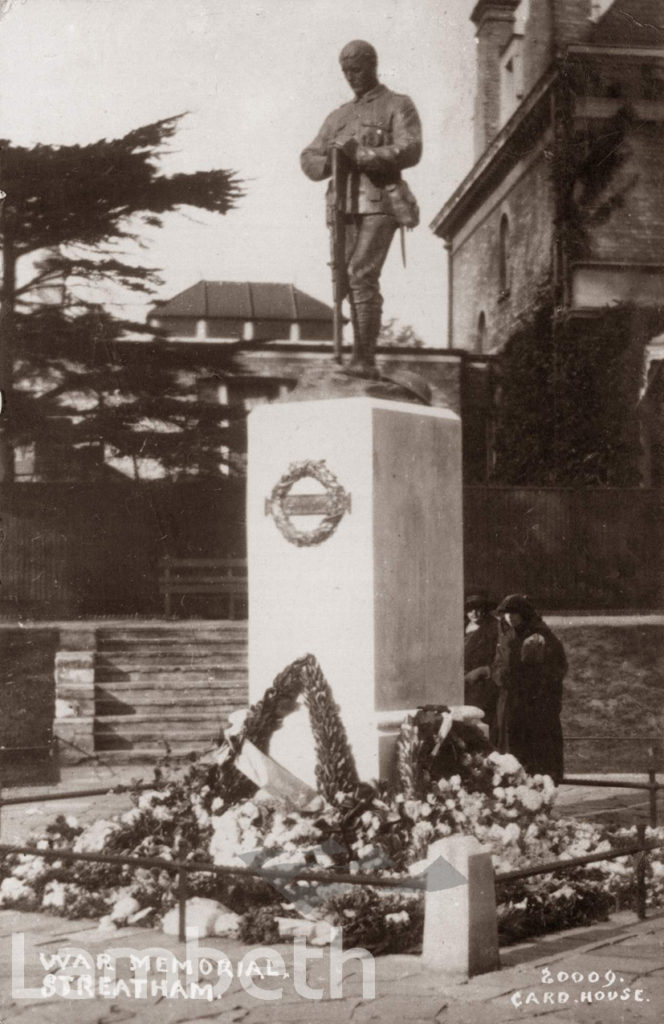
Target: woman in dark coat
529,669
479,651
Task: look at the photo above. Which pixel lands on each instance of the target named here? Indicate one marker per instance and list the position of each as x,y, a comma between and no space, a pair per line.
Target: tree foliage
63,195
396,335
86,399
70,210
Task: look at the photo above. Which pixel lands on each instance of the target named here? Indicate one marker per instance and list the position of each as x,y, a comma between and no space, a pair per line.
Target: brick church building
565,202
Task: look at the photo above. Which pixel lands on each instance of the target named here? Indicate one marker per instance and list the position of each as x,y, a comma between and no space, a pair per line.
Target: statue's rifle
338,246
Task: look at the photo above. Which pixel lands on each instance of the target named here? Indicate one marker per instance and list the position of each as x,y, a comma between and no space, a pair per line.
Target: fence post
460,922
640,861
652,779
182,895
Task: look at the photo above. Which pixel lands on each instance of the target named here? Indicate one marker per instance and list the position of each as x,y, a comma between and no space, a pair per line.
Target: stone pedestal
379,600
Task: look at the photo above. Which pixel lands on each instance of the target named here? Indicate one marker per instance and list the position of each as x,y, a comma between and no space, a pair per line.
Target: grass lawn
614,689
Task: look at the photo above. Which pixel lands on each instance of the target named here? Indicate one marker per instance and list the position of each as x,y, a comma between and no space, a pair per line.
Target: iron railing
638,850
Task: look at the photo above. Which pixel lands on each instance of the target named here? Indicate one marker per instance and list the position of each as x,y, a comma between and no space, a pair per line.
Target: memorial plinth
355,556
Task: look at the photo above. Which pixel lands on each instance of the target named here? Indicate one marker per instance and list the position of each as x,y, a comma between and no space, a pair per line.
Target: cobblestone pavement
612,972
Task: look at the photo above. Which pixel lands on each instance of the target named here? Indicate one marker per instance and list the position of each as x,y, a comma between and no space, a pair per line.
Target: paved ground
612,972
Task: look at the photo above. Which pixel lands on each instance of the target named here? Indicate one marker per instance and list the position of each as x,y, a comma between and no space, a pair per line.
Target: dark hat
479,599
518,603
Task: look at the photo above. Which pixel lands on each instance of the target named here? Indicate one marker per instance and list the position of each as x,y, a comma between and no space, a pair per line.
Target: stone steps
108,731
203,697
166,687
148,753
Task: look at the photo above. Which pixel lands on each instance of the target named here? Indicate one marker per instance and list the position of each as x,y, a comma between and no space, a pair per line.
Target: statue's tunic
387,128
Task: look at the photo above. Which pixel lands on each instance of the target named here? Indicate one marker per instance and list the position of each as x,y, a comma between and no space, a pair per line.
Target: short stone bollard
460,920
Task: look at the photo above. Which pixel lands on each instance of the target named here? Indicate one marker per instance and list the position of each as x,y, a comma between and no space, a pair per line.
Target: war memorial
356,758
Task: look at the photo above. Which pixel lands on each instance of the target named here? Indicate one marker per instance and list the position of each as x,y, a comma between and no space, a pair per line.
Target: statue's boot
365,319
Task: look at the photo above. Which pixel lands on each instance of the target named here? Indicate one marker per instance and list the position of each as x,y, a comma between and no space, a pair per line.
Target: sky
256,81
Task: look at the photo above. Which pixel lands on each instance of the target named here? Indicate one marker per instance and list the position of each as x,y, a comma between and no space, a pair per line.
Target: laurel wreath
335,765
339,502
422,760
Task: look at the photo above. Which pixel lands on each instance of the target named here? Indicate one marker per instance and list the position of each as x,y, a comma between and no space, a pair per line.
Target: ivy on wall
567,408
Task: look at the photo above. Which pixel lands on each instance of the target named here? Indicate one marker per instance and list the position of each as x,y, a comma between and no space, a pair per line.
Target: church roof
631,23
243,300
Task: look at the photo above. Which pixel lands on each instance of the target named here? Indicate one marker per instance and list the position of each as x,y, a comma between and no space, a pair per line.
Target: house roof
243,300
631,23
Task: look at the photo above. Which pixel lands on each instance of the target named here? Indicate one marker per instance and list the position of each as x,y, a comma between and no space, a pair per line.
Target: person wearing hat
479,651
380,134
529,669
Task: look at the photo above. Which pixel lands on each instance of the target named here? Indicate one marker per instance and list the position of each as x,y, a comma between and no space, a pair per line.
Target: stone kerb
73,726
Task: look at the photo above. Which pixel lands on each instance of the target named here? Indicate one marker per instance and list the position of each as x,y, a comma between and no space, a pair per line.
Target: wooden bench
226,576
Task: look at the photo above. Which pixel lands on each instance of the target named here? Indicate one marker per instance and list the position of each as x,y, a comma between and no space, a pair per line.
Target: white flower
131,817
564,893
147,798
54,895
529,798
13,889
29,867
511,833
402,917
248,811
161,813
412,809
95,837
72,821
422,831
124,907
507,764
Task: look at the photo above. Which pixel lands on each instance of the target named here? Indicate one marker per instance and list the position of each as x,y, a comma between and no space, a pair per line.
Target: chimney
573,21
495,24
553,25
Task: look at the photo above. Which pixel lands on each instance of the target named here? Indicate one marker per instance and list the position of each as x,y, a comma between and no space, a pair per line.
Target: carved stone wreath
332,504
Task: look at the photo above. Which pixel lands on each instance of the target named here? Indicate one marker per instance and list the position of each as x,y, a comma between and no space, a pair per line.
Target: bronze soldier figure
380,134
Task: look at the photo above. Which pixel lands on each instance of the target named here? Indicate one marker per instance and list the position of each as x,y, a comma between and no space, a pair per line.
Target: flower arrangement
450,782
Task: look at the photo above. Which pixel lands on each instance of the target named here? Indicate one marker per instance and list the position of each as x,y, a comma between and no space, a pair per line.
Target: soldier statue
379,134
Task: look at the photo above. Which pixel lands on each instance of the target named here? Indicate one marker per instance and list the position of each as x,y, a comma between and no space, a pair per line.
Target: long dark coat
529,669
479,650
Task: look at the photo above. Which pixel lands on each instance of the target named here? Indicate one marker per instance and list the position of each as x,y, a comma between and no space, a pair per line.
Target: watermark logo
305,895
204,973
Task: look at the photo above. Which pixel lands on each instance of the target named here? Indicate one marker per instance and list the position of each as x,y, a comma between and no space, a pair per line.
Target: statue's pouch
402,204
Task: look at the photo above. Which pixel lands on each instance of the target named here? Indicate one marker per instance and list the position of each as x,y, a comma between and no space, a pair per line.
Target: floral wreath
339,502
335,766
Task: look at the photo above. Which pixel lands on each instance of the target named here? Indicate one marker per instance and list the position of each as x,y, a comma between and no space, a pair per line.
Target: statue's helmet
359,50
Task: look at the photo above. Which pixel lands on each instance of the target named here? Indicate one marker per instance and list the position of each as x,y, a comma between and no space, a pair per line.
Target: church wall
526,197
634,232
